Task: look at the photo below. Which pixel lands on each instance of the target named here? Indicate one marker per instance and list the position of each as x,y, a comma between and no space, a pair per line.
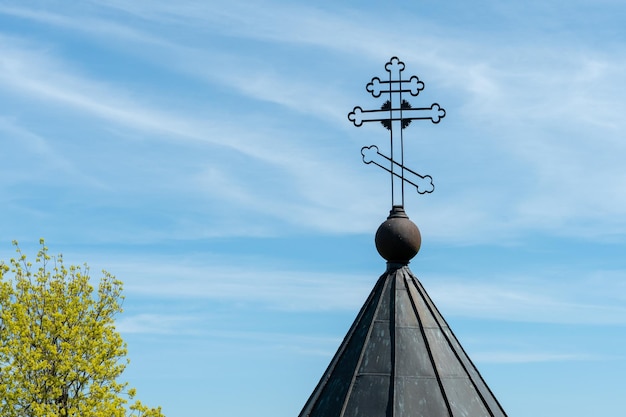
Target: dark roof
400,359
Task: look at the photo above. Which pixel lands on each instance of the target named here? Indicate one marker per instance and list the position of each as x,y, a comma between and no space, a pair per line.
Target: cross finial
394,65
395,114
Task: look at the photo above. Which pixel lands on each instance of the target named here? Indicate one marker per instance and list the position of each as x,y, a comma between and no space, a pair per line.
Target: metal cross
395,115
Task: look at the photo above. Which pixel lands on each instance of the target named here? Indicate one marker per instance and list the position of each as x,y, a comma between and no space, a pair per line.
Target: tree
60,354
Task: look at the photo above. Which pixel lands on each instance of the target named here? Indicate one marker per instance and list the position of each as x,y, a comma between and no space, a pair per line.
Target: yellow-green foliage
60,354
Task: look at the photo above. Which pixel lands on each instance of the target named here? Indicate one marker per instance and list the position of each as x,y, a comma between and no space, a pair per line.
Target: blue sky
201,152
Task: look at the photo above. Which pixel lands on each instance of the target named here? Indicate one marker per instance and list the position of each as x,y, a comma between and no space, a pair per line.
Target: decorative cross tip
394,65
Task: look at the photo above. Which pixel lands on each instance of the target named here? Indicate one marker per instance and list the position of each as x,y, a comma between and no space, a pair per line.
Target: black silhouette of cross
395,115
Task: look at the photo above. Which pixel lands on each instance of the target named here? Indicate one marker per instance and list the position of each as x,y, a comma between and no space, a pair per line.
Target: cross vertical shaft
395,133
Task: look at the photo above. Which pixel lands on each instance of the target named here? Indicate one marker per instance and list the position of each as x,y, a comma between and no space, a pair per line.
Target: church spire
400,358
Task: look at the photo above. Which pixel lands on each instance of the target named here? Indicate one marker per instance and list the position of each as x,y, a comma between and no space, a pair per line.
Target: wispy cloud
533,357
285,343
535,300
159,324
33,72
271,288
592,299
30,70
49,160
264,83
106,28
547,118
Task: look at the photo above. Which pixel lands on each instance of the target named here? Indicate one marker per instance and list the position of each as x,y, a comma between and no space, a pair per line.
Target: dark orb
398,239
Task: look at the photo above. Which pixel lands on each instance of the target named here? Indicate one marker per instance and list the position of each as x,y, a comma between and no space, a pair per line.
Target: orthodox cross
395,115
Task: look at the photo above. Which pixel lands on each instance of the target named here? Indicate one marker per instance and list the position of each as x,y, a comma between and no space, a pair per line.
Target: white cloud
540,299
559,297
160,324
49,163
274,289
285,343
544,119
532,357
106,28
34,73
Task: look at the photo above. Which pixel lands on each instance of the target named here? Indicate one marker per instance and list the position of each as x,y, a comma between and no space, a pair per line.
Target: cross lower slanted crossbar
423,183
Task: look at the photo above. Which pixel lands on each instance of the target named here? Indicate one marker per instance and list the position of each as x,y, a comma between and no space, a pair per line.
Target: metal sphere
398,239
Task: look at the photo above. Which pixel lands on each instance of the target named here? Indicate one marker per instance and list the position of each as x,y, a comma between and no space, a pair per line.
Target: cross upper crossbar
412,86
